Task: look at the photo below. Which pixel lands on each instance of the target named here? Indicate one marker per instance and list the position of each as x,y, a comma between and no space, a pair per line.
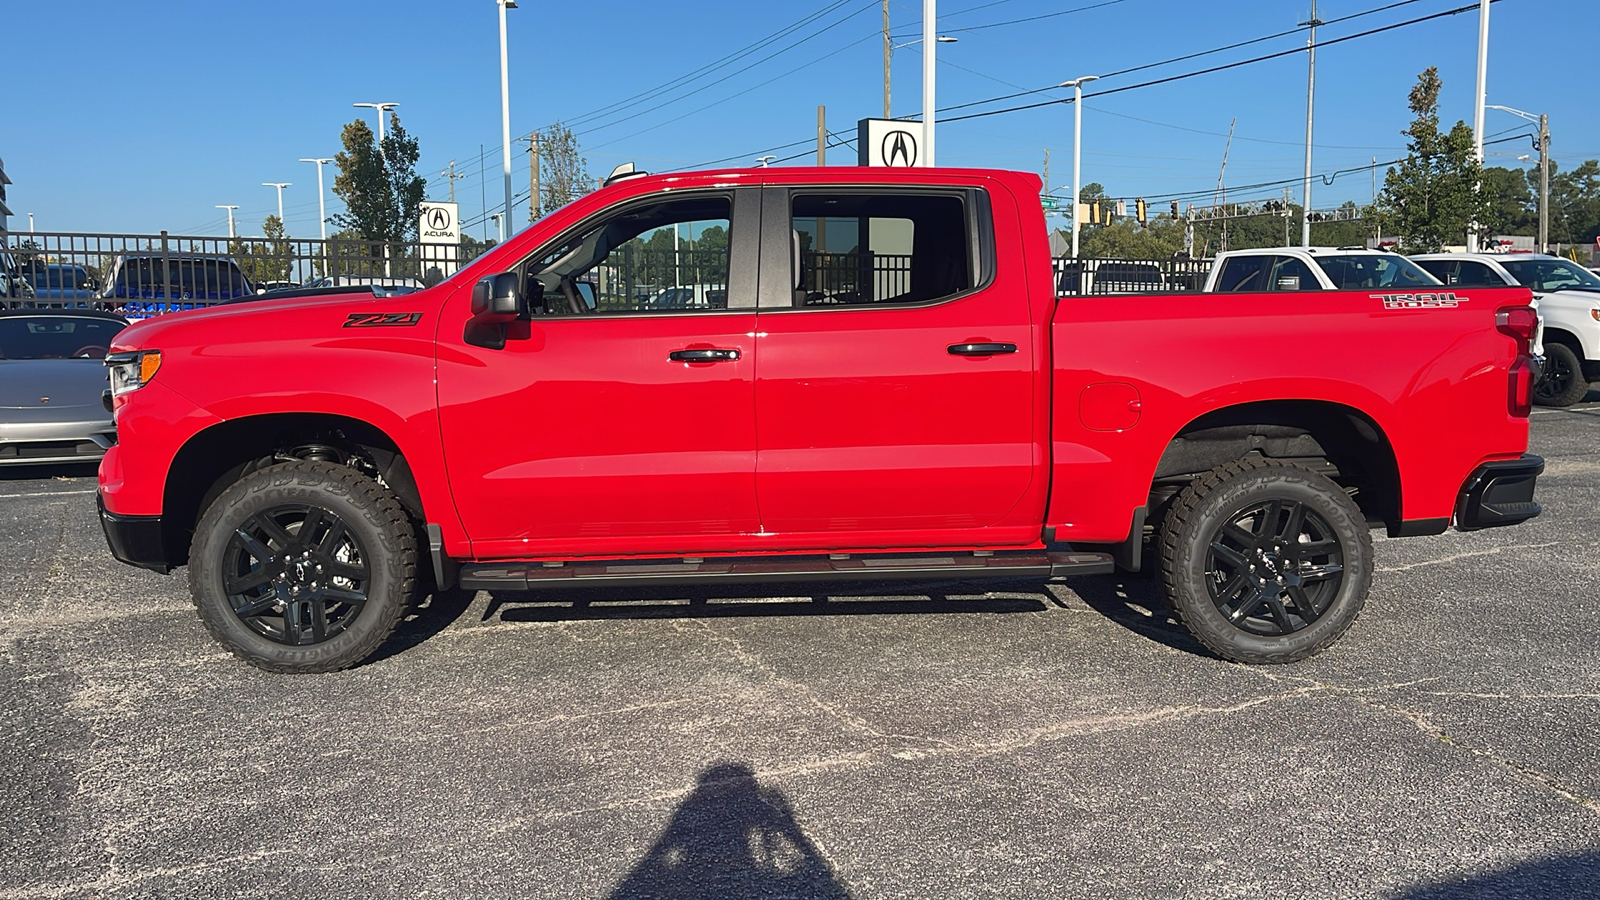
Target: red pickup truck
880,384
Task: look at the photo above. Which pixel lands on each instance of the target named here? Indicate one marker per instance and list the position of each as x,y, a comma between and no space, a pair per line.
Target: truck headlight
132,370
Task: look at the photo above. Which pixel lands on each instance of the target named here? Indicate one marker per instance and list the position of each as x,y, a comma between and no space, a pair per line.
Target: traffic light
1175,216
1094,212
1140,211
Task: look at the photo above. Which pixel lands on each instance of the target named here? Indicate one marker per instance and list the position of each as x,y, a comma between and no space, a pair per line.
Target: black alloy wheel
296,574
1562,383
1274,568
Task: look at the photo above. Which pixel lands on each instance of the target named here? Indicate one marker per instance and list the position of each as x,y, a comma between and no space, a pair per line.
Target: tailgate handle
711,355
980,349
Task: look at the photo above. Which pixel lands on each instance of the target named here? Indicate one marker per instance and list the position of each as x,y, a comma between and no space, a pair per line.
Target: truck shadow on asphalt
1133,601
1576,875
62,471
730,839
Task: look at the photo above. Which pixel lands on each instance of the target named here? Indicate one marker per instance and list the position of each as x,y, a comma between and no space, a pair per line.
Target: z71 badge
1419,301
379,320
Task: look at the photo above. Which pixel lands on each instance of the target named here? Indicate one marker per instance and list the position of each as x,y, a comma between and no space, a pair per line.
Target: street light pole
381,108
1544,169
280,185
929,43
230,209
1311,91
505,107
1478,106
1077,150
322,209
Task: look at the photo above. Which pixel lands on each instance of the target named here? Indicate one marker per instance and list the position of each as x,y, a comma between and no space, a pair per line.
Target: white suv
1272,269
1568,298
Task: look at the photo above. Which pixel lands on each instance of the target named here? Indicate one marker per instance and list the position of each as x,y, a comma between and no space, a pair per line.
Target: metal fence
1080,277
143,275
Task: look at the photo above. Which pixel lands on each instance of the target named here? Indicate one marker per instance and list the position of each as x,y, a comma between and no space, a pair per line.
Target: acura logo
899,149
438,219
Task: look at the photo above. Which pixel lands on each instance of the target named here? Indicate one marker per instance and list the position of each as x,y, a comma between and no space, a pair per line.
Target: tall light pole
1311,91
230,209
280,185
888,51
322,209
1077,149
1478,105
381,108
505,107
1544,170
929,42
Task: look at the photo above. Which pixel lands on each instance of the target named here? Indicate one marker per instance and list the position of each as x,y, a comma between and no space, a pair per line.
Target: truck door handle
980,349
709,355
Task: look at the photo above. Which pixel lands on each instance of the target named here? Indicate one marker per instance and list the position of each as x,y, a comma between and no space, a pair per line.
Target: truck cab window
1244,274
856,249
665,256
1291,274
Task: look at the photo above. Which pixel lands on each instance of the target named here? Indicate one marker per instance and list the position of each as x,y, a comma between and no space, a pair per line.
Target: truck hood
67,383
252,320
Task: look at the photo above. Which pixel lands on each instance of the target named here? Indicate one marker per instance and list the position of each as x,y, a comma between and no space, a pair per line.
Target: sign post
439,225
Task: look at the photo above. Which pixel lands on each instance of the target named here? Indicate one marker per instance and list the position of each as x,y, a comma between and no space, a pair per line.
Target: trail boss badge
1420,301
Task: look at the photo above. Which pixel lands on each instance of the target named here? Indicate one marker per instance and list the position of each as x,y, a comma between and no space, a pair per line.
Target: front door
620,417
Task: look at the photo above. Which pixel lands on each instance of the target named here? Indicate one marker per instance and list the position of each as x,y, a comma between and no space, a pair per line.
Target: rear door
895,390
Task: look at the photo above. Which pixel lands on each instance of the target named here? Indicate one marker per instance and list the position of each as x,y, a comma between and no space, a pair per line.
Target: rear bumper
1499,493
135,540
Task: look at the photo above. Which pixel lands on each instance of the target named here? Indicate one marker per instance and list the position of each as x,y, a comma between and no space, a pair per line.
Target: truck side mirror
497,301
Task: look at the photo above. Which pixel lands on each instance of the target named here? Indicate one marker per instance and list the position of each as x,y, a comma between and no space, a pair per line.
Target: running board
532,576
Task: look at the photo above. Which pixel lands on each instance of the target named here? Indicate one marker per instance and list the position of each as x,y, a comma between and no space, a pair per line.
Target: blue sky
142,116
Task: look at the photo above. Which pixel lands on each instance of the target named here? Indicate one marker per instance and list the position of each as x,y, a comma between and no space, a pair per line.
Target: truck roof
1325,251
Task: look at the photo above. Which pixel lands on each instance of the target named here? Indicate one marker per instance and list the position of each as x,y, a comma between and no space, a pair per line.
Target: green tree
268,260
1512,206
1574,203
381,190
1431,198
563,172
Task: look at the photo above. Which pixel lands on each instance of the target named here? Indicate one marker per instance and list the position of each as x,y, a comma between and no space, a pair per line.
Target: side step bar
530,576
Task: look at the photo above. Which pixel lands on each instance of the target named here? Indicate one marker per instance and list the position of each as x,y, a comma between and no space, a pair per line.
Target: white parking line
44,494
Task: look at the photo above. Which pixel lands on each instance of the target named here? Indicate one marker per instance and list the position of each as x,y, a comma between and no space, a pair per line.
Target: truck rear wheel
1563,383
303,567
1265,562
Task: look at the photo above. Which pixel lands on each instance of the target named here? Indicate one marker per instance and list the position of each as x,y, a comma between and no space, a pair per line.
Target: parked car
61,281
1293,269
690,296
12,285
141,285
1568,298
385,284
52,376
496,433
267,287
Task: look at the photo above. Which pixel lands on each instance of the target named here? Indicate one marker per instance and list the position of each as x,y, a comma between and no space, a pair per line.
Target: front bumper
135,540
1499,493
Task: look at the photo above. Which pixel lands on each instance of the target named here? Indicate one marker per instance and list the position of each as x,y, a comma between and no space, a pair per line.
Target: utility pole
230,209
534,159
1311,90
451,174
822,136
1288,213
1478,106
1544,183
886,53
1047,171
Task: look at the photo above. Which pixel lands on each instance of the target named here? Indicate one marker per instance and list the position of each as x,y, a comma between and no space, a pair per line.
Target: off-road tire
1193,566
1563,383
377,541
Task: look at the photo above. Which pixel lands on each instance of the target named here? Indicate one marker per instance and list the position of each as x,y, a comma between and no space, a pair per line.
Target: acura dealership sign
889,142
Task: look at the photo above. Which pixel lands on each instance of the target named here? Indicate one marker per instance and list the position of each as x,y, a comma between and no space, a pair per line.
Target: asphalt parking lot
968,740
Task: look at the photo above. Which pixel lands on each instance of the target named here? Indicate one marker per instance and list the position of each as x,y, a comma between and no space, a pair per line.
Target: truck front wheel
1264,561
303,567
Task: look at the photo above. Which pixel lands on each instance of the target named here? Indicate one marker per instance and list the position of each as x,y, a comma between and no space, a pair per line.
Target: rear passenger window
857,249
1473,273
1244,273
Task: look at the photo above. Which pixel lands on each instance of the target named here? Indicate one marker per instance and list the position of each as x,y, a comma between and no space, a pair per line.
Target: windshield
56,337
54,276
1546,275
1374,270
208,279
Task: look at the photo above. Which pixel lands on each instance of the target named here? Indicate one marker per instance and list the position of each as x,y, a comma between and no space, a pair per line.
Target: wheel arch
1351,446
214,458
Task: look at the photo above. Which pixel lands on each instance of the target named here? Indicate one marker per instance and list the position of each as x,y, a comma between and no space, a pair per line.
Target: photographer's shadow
731,839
